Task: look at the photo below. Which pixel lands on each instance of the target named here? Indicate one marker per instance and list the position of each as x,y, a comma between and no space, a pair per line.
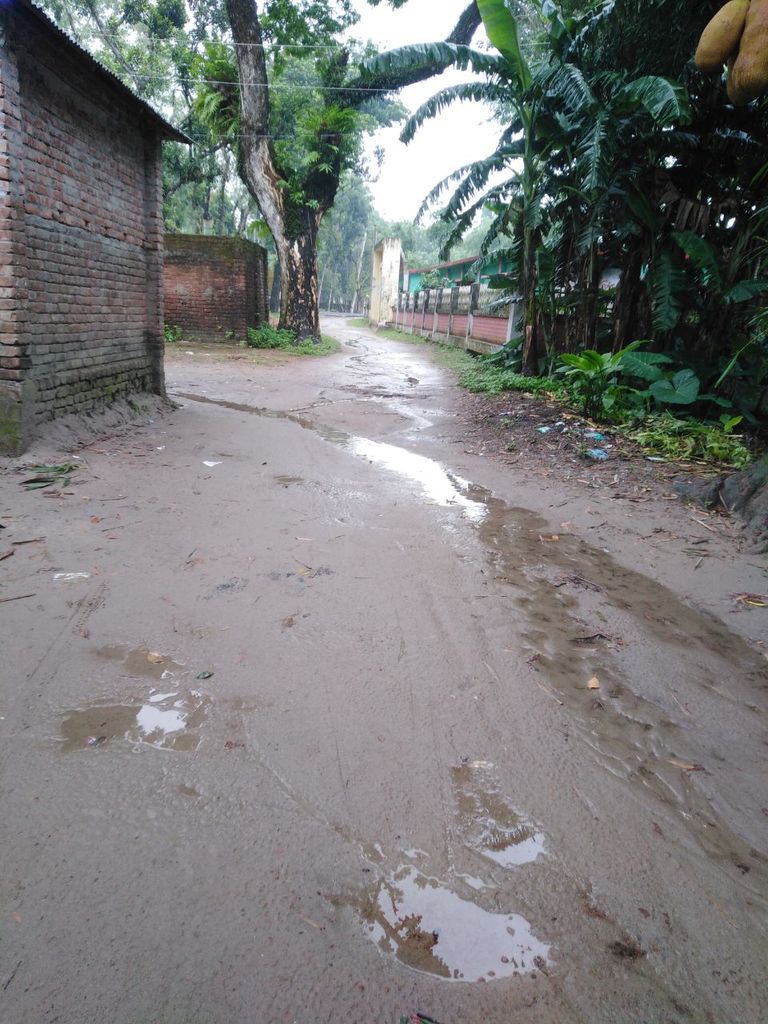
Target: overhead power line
272,86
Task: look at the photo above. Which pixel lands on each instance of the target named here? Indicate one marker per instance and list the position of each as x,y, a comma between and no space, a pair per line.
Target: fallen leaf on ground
233,744
687,766
592,638
154,658
626,949
204,675
594,683
755,600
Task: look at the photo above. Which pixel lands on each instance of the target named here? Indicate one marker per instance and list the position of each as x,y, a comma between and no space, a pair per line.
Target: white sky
456,137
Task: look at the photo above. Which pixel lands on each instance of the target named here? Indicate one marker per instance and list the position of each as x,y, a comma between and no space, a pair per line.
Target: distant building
456,272
215,287
388,270
81,230
460,272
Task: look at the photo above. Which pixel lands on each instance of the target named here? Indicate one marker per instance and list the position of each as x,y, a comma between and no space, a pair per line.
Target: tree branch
359,91
257,158
466,26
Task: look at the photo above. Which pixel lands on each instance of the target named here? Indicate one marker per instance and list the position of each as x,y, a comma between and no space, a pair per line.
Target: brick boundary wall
80,234
215,286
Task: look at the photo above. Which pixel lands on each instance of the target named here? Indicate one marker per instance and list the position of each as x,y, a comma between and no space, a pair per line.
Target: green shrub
267,336
492,380
173,334
671,438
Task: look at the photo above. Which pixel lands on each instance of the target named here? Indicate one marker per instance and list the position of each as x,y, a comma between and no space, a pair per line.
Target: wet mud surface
333,720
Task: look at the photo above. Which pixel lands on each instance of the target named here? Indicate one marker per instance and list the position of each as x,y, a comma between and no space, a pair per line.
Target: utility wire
272,86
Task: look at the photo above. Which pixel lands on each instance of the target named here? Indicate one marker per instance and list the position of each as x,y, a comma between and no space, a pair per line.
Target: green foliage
173,334
592,376
434,279
509,356
265,336
491,380
673,438
682,389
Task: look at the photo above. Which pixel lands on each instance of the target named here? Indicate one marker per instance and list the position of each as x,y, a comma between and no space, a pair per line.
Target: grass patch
265,336
358,321
394,335
492,380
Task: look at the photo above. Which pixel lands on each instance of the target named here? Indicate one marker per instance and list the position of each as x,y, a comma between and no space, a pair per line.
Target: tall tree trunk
276,292
591,301
626,308
299,302
531,336
356,296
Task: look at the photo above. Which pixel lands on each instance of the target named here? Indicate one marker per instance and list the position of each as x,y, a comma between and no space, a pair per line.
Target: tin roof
166,130
445,266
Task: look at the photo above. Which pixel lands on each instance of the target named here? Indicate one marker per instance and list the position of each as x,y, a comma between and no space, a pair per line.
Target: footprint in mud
431,929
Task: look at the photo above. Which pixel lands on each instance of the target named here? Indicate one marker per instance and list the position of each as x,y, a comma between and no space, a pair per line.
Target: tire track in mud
628,724
513,538
633,737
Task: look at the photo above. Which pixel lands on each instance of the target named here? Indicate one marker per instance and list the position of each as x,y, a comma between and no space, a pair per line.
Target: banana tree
565,146
515,201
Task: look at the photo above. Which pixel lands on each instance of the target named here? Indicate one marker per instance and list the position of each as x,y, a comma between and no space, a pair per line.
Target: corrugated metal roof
445,266
166,130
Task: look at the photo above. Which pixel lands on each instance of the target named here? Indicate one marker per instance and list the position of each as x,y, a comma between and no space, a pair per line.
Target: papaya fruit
734,95
720,39
750,72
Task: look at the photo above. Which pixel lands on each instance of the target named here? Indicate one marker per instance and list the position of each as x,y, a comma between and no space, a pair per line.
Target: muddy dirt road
314,717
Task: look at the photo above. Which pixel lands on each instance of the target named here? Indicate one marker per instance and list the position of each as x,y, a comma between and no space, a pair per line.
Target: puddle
140,662
430,929
163,720
437,484
435,481
486,822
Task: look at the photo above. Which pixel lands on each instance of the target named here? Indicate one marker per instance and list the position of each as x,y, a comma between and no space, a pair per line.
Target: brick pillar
153,251
16,390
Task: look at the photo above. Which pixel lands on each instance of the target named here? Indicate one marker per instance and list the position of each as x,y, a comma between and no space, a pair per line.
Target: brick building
215,287
81,231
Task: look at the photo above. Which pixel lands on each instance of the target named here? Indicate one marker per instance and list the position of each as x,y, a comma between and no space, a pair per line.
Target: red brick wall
82,227
215,287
